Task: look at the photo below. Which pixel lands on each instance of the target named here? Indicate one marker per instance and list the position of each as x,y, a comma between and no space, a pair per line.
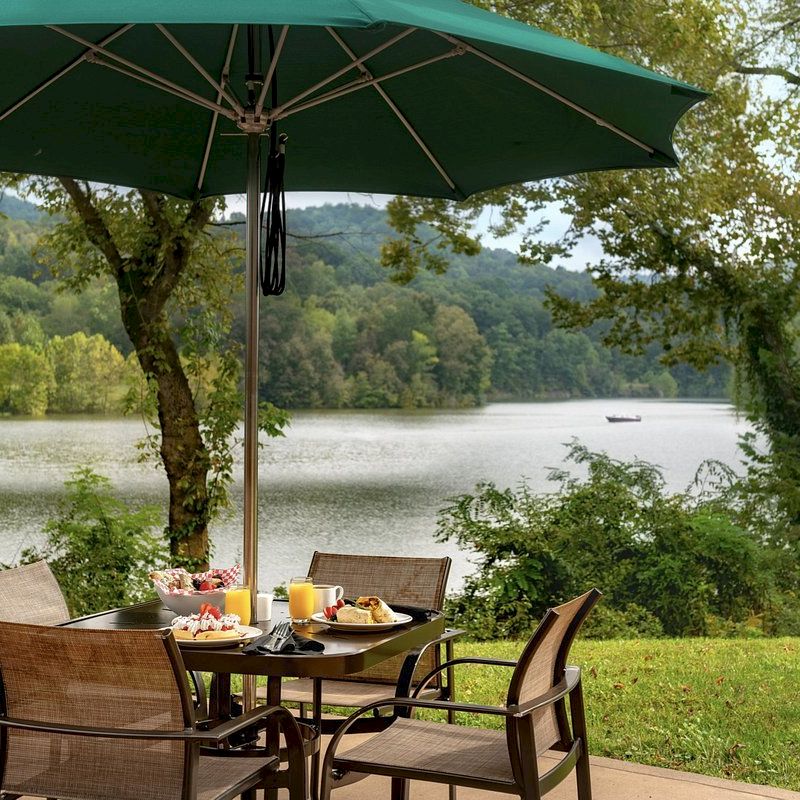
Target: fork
280,634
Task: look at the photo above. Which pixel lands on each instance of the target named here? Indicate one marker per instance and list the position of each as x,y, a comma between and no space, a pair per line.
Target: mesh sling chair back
537,721
107,715
420,582
31,594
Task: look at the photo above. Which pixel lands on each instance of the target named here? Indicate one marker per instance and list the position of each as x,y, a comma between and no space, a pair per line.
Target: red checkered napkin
229,576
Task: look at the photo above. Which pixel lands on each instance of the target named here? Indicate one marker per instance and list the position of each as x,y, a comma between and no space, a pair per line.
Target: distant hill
15,208
345,335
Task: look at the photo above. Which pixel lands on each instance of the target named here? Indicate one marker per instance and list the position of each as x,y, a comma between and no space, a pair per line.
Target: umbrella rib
363,83
62,72
398,113
199,67
146,76
273,65
189,97
598,120
278,112
213,127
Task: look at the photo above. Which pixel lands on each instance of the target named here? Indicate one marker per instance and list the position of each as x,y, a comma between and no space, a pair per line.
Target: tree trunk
183,451
145,283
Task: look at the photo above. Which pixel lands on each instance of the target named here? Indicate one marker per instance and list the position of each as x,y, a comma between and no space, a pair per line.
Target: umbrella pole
250,544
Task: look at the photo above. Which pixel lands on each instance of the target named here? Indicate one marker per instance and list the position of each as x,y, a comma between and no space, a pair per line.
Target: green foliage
671,563
26,378
87,370
100,550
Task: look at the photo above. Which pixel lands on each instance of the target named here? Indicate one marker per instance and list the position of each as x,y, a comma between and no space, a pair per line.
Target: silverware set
277,637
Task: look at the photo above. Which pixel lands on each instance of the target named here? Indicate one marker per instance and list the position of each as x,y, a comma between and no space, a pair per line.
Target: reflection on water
355,481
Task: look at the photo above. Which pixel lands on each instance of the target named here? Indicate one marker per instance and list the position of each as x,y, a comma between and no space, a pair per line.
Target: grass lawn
723,707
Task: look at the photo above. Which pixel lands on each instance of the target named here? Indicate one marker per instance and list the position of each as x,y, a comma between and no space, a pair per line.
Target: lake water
361,481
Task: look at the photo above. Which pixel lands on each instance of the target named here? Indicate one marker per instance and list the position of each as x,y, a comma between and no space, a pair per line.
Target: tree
86,369
26,378
464,364
174,283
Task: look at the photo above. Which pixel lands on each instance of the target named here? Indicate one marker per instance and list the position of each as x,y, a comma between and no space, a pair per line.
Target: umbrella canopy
422,97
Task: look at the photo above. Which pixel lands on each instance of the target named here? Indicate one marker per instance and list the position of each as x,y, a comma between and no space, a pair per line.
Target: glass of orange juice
237,601
301,599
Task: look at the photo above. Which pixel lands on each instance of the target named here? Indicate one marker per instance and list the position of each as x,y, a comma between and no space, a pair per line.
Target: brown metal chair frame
197,741
528,783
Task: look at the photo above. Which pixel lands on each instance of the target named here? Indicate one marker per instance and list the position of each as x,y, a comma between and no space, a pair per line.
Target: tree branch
96,229
780,72
153,203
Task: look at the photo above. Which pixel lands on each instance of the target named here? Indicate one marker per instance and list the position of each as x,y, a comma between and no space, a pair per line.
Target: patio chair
417,582
106,715
31,594
508,761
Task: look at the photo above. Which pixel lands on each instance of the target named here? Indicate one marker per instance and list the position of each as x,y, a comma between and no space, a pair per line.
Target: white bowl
185,605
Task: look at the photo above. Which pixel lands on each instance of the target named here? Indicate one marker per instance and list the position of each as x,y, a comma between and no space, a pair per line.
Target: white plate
357,627
248,633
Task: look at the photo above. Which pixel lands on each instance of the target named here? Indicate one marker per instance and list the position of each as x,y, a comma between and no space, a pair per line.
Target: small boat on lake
623,418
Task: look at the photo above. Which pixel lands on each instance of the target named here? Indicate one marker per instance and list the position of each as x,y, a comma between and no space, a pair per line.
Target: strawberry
340,603
207,586
214,611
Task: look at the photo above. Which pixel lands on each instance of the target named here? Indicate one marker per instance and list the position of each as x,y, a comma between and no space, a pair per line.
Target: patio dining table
343,654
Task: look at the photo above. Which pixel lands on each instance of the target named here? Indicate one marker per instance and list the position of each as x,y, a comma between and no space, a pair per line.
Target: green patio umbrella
421,97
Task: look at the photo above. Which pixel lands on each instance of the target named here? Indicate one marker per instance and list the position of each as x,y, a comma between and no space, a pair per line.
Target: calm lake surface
361,481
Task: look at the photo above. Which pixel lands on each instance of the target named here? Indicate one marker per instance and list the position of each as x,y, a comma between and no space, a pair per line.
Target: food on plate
379,610
362,616
210,623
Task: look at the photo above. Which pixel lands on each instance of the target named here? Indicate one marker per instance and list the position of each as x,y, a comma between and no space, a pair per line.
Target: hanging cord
273,204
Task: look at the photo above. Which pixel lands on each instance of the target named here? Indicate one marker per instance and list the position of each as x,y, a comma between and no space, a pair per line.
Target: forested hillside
343,335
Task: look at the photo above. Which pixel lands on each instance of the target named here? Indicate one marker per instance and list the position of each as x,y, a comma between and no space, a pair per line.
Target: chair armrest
571,679
494,662
218,734
247,720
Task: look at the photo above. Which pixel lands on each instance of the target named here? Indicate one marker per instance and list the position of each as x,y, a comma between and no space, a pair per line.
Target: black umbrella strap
273,206
273,219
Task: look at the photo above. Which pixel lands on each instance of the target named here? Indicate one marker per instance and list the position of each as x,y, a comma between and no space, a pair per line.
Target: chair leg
582,775
451,696
316,758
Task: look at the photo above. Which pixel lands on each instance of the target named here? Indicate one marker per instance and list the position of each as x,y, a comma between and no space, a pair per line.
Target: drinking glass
301,599
237,601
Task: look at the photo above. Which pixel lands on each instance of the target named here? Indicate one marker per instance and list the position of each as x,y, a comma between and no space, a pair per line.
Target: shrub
667,563
99,550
